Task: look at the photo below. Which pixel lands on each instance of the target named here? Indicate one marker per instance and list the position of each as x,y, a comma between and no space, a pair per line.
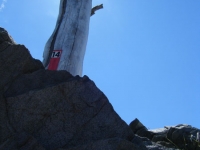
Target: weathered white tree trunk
70,36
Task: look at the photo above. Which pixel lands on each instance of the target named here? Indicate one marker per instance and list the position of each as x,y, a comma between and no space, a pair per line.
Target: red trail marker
54,61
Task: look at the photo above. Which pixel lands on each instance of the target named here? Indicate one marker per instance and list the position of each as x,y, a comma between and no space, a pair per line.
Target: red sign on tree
54,61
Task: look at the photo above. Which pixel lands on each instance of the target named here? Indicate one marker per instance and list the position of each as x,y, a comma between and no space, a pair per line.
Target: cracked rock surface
50,110
182,136
53,110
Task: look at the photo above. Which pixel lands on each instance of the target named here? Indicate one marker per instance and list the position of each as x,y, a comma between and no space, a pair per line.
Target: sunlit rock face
70,37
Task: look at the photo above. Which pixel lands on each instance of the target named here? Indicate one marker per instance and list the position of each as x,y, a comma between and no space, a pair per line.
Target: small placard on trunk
54,60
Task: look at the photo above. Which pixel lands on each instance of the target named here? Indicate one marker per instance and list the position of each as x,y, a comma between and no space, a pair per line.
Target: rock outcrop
174,137
53,110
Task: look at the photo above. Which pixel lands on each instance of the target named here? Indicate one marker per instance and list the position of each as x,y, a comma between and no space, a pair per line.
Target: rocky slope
53,110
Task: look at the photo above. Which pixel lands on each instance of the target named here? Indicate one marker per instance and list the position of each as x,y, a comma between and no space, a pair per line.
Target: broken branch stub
94,9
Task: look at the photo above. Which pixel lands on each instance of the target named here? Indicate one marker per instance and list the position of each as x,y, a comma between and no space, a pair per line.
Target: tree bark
67,44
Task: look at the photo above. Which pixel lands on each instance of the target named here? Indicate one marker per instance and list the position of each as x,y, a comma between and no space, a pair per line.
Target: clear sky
143,54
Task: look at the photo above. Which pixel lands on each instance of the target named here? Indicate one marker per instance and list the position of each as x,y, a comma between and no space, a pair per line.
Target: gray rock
139,129
67,114
173,137
53,110
15,60
5,37
21,141
108,144
43,109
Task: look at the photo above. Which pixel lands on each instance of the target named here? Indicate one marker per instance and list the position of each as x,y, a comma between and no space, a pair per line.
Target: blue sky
143,54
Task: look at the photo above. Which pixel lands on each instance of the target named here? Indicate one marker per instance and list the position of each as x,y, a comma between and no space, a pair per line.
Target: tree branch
96,8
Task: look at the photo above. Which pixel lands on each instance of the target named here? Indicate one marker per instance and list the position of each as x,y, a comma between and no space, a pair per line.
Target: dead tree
66,47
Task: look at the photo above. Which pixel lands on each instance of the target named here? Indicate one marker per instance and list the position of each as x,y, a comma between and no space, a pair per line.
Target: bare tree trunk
66,47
